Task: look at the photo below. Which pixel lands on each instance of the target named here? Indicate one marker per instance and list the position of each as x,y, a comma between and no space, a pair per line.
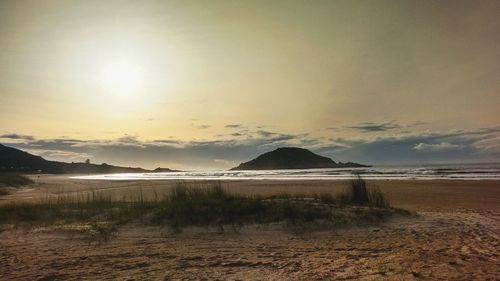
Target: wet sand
453,237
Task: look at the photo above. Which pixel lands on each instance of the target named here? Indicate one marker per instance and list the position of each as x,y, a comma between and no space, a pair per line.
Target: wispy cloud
435,146
67,156
234,126
203,126
375,127
17,137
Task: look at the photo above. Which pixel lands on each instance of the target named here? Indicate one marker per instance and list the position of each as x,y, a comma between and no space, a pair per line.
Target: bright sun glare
122,77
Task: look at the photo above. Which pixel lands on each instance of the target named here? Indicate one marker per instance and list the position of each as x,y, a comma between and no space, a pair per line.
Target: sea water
420,172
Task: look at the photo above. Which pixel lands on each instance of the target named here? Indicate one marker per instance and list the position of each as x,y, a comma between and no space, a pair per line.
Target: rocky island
293,158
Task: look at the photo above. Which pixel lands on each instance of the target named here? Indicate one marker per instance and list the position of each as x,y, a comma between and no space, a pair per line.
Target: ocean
490,171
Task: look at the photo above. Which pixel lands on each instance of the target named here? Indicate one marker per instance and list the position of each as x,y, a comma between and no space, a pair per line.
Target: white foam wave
382,173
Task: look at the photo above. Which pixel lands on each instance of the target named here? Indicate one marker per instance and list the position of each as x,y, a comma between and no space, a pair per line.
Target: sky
210,84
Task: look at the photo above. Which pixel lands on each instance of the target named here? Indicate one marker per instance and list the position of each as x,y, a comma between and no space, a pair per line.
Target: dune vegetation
12,180
204,205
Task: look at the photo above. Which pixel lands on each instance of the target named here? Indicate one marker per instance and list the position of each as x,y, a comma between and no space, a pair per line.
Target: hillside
292,158
15,160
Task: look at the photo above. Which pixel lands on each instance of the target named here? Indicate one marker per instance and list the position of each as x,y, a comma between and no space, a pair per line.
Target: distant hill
15,160
164,170
292,158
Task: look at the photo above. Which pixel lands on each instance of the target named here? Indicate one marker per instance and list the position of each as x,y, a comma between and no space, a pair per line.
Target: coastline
415,195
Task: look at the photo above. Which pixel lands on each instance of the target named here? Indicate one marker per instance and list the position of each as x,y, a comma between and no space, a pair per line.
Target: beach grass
359,193
202,205
12,180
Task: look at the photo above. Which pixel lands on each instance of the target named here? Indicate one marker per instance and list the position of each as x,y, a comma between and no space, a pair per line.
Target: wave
451,172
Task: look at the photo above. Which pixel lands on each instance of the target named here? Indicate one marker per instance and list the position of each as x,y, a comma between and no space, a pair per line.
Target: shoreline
454,236
415,195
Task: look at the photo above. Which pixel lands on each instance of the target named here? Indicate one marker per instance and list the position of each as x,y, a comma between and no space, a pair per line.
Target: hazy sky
196,84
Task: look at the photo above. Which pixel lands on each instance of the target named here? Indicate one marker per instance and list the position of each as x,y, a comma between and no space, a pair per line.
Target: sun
122,77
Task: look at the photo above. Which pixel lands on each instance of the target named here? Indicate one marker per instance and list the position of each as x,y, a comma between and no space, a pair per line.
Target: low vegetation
12,180
359,193
4,191
206,205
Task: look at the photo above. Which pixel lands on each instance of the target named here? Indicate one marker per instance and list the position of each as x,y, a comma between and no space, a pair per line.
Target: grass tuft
359,194
377,198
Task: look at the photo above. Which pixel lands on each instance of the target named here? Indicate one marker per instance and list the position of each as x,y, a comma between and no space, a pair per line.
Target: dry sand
455,236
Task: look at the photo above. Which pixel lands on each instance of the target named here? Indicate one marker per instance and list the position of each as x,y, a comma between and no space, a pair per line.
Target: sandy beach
454,235
249,140
414,195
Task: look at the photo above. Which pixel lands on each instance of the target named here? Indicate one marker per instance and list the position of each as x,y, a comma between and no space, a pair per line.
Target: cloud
490,145
128,141
203,126
226,162
435,146
265,133
234,126
131,151
417,123
17,137
368,127
409,148
167,142
375,127
427,147
68,156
